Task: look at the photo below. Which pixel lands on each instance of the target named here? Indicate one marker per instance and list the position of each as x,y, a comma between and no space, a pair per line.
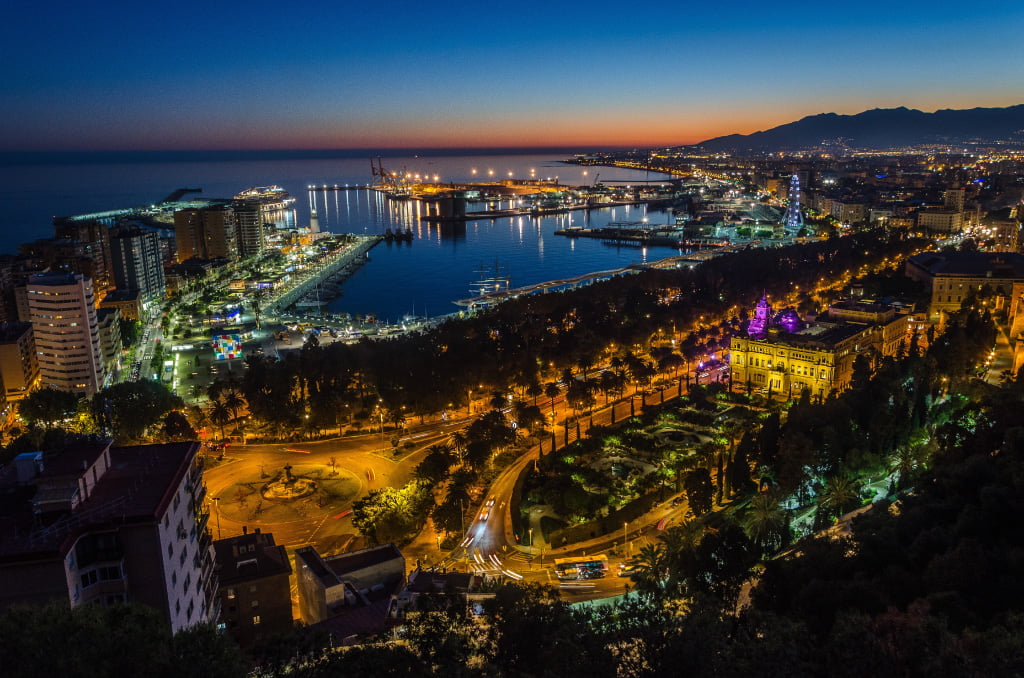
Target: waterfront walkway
349,255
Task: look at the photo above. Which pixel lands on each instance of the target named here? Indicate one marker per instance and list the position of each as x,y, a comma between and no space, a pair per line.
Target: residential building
954,199
249,228
108,321
136,263
62,311
350,594
95,524
206,232
19,368
952,276
127,302
783,353
70,256
255,586
940,220
848,212
94,239
462,587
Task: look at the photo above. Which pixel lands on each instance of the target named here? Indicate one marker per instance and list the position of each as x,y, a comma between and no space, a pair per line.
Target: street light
216,503
625,537
531,537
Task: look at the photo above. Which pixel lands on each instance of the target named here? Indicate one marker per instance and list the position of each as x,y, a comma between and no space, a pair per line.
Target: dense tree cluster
526,341
129,412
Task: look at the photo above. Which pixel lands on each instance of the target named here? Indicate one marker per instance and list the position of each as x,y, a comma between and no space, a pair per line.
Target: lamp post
216,503
531,537
625,537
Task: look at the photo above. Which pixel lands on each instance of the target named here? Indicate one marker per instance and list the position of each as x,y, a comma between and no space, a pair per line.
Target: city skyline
416,76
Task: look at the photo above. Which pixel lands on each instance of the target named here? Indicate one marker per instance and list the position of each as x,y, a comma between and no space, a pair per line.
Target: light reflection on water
443,260
421,278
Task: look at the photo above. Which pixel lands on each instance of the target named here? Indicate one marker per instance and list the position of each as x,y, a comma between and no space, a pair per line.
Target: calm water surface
423,277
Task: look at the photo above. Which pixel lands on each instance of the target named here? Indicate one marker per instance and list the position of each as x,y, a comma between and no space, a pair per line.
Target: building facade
206,233
249,228
780,353
952,276
940,221
19,367
62,310
136,263
95,524
255,587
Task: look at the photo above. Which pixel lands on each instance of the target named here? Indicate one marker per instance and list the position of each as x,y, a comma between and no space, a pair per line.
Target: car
485,512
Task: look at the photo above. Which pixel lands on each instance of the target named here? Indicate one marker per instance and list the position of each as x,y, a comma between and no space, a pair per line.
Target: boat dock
530,212
350,256
690,259
335,187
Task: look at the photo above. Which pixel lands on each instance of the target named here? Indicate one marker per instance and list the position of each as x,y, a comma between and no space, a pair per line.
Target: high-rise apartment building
953,199
62,310
249,227
93,238
136,264
19,367
206,233
95,524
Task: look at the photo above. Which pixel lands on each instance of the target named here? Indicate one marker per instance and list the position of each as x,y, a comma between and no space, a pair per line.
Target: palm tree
649,566
551,390
679,541
534,390
219,415
256,302
765,523
233,402
458,441
840,494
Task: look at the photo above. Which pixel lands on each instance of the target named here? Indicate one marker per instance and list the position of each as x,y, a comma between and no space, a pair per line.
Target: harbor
338,265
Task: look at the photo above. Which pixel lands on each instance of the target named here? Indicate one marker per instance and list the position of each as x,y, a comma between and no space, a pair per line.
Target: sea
421,278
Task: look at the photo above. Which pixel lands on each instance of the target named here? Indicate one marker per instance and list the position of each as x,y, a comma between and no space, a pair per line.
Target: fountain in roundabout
288,486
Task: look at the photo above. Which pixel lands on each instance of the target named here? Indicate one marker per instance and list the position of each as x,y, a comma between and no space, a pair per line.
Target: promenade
348,256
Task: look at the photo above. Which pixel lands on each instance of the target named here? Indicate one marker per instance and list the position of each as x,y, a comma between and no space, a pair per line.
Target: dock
336,187
531,212
349,256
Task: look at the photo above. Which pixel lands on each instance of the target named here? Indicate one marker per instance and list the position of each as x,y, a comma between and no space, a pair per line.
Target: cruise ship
272,198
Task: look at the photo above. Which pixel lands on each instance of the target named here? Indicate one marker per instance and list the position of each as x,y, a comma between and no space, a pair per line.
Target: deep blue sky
190,75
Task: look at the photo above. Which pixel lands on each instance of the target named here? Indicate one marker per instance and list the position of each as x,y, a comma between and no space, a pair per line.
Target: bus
583,567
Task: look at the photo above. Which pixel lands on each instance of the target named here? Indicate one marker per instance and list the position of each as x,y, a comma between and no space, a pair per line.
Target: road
490,546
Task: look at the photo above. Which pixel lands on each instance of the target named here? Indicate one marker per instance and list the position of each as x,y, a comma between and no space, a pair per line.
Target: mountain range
882,128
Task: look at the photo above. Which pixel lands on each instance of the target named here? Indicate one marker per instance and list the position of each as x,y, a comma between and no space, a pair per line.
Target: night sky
377,74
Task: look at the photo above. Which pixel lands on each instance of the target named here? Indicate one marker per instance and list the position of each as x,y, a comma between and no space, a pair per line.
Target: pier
690,259
335,187
350,255
531,212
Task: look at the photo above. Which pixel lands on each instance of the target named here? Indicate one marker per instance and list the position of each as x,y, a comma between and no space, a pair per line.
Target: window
231,594
255,619
252,589
255,603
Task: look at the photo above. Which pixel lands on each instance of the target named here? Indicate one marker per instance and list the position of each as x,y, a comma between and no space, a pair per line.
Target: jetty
349,257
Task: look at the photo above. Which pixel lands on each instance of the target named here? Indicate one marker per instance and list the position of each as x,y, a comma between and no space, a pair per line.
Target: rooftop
357,560
250,556
970,264
137,487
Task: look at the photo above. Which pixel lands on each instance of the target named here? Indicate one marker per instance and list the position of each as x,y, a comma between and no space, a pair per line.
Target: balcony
199,495
202,518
